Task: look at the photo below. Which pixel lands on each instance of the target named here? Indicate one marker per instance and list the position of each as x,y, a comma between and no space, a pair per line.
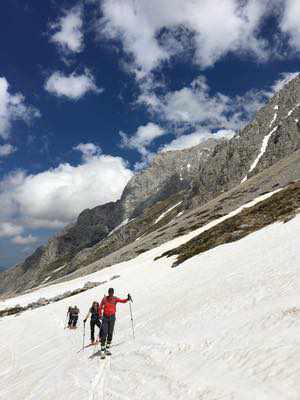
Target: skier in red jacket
107,312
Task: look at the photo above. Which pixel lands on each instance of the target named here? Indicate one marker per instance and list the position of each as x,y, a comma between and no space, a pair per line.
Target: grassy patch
282,206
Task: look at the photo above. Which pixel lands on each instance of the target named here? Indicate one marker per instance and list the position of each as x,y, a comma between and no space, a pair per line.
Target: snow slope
223,325
56,289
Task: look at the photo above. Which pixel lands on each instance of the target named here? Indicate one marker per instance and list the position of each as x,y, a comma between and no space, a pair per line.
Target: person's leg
98,323
110,332
92,325
104,332
75,321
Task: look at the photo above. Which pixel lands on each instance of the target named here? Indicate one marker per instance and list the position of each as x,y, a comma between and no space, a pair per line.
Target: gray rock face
168,173
273,135
199,174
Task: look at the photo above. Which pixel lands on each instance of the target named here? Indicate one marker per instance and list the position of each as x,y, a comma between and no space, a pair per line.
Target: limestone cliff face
271,136
199,174
168,173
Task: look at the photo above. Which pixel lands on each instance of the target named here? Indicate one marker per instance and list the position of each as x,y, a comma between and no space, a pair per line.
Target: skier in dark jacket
95,319
69,315
74,317
107,312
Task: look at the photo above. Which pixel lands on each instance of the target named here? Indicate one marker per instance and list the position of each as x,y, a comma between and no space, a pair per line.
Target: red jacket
108,305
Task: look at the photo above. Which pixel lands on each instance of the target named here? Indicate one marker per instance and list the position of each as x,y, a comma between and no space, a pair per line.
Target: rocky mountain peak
196,175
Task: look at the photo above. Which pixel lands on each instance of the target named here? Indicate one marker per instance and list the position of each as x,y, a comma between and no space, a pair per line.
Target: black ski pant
107,330
74,321
93,323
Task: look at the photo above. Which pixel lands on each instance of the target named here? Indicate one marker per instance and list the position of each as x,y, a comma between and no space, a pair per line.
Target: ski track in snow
97,386
223,325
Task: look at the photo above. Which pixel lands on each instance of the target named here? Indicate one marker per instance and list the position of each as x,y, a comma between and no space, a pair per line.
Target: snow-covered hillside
223,325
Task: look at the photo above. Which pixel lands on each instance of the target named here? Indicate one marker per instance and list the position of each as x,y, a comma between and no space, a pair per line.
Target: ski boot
102,352
107,350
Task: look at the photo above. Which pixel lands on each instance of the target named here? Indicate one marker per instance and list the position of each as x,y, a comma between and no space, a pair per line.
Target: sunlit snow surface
223,325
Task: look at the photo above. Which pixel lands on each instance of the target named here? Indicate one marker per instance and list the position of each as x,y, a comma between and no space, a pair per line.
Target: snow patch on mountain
273,120
264,146
292,110
125,222
166,212
263,149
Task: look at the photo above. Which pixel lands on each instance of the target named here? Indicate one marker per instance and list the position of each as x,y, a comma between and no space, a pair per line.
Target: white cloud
24,240
73,86
6,150
153,32
68,35
290,22
195,138
142,138
12,108
8,229
284,79
88,150
195,107
185,141
224,134
55,197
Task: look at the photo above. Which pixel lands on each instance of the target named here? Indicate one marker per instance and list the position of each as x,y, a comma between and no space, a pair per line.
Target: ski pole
65,326
131,316
83,336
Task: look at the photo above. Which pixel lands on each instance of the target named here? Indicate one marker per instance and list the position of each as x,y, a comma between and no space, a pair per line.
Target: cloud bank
53,198
152,32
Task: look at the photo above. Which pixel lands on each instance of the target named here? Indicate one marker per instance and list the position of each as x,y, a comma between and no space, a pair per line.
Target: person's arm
87,316
121,300
100,310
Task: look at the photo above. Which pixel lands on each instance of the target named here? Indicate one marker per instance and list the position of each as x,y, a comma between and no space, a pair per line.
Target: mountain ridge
194,176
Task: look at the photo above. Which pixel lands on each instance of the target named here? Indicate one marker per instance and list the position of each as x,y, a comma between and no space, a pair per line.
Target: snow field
223,325
106,274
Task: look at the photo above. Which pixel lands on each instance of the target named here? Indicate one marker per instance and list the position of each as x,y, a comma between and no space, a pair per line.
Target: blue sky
91,90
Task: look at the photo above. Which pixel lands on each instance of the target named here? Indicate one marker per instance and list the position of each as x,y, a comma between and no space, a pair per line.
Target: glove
129,297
